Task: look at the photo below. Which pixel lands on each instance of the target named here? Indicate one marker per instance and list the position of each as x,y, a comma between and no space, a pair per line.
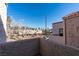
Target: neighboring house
58,35
58,28
3,18
71,22
67,31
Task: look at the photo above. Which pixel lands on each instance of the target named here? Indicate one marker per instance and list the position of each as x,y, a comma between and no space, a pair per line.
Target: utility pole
46,25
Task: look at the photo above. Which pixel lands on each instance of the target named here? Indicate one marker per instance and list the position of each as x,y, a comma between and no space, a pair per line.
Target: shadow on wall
29,47
2,32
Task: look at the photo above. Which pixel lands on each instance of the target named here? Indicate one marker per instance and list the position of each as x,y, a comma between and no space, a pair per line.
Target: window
60,31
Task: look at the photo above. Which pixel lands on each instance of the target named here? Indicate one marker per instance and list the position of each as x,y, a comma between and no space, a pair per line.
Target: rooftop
72,15
58,22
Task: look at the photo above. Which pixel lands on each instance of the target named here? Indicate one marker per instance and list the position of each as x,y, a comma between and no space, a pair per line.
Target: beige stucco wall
72,29
3,18
3,13
28,47
55,37
56,27
49,48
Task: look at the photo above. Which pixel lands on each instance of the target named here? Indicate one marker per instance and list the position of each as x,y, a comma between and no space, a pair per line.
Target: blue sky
33,14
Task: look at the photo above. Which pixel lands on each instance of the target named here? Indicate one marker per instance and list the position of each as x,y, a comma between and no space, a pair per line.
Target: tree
9,21
46,31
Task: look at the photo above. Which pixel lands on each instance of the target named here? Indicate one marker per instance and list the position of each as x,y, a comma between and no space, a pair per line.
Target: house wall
55,37
72,29
56,27
3,13
3,18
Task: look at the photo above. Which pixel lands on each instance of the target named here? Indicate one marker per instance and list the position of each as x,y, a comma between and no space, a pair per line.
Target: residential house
67,31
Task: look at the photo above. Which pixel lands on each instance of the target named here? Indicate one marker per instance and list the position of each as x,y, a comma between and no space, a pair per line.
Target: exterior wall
36,47
28,47
3,13
3,18
56,27
49,48
55,37
72,29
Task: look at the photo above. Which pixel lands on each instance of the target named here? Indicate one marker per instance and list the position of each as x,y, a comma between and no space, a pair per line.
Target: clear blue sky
33,14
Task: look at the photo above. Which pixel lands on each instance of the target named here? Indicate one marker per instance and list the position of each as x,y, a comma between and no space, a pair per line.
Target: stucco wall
50,48
72,30
56,27
3,18
3,13
55,36
36,47
58,39
29,47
